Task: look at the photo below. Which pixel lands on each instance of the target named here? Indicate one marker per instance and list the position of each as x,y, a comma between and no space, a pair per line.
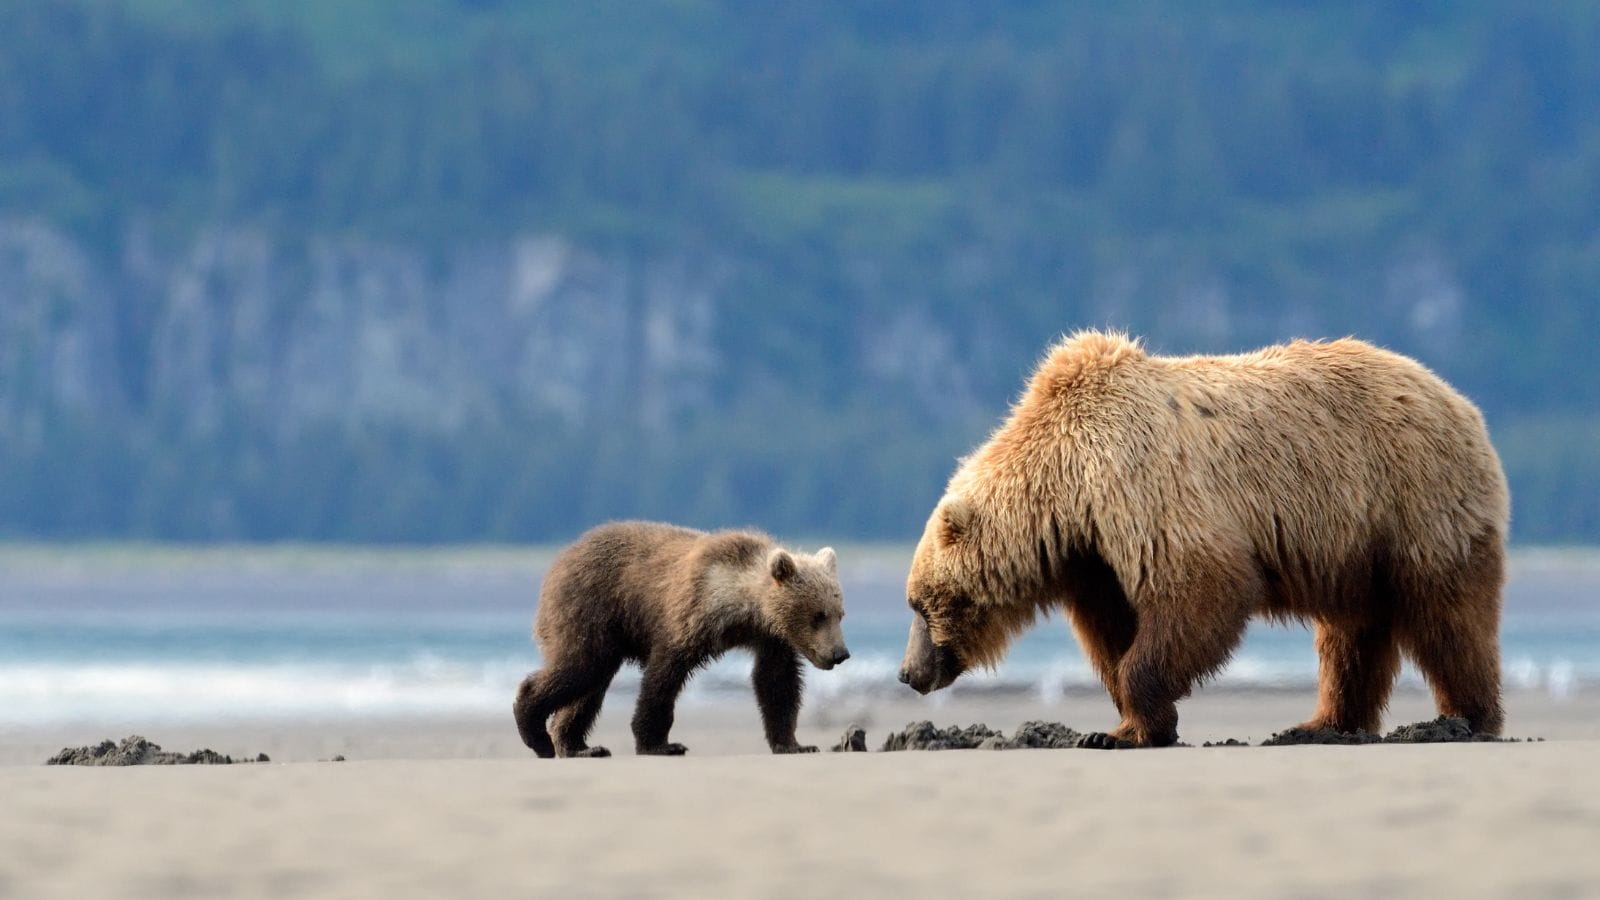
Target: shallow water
175,635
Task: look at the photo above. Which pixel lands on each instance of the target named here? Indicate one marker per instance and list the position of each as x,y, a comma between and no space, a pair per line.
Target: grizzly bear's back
1306,460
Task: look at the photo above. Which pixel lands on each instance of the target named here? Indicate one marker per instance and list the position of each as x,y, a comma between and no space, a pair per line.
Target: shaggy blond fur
1163,501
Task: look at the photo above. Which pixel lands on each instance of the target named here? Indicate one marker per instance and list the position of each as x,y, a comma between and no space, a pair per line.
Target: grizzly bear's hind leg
1357,665
1453,635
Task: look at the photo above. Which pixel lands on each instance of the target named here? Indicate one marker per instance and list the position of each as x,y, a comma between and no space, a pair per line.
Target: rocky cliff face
230,383
232,322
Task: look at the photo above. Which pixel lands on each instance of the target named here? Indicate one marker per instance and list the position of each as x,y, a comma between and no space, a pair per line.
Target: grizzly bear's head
956,624
803,604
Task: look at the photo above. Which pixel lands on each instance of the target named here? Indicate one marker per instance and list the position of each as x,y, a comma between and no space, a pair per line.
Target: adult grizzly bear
1163,501
673,599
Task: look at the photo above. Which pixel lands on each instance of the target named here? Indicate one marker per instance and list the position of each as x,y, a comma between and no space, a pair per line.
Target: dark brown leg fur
1357,664
779,683
1453,635
557,685
1179,640
571,725
1101,617
664,677
1105,627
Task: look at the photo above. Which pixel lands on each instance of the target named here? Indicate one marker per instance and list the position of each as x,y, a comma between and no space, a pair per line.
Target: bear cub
673,599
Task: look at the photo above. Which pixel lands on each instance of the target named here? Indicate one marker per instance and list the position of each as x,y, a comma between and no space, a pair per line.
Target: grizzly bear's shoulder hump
1081,360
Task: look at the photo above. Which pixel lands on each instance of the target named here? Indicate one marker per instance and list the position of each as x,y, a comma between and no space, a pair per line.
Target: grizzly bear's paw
1099,740
590,753
663,750
794,748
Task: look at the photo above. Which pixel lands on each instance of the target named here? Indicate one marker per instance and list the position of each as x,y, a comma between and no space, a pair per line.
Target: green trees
1210,175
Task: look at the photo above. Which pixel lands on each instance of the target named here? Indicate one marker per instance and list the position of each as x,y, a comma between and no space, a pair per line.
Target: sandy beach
456,808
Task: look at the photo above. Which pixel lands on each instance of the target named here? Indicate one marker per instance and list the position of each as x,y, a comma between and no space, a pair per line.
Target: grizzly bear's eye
819,619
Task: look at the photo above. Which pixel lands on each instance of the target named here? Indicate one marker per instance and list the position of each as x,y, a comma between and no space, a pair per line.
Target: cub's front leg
779,684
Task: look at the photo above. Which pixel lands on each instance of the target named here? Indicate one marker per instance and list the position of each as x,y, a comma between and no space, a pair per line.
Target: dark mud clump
853,741
137,751
1297,735
1055,736
924,736
1029,736
1043,736
1443,730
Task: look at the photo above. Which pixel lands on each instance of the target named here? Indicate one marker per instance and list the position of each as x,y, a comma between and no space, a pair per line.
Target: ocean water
162,635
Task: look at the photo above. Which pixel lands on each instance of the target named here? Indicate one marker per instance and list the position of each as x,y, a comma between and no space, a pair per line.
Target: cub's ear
956,516
827,558
780,564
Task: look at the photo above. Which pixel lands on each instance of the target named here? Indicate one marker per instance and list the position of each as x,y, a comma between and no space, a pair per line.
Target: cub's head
954,625
804,605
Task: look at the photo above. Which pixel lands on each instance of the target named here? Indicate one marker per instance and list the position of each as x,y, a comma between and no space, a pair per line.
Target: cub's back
613,575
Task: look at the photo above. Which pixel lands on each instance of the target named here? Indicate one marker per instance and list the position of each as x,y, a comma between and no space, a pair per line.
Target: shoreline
731,726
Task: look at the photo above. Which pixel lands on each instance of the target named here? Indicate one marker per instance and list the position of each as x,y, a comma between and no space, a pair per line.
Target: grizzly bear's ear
827,558
780,564
955,519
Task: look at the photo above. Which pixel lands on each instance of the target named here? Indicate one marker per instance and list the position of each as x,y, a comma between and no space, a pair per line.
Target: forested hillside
428,270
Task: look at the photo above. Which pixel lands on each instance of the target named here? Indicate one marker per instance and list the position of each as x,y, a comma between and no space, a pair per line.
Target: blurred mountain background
453,271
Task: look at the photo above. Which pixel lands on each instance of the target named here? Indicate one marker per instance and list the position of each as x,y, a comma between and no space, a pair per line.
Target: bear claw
1099,740
590,753
795,748
664,750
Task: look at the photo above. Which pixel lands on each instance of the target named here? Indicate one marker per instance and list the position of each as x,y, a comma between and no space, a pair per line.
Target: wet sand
458,809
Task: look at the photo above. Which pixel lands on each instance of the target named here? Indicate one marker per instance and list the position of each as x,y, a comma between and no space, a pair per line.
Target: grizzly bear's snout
928,666
828,660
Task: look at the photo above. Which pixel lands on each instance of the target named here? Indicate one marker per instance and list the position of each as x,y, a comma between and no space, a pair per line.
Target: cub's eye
819,619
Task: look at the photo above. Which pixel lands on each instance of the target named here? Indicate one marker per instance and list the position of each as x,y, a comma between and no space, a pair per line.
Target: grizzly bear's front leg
779,684
664,677
1176,644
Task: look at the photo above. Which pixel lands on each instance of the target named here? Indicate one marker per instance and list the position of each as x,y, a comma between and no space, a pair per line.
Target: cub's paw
794,748
1099,740
592,753
664,750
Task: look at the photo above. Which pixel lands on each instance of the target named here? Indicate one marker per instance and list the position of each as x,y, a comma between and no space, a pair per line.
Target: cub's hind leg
571,725
560,684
